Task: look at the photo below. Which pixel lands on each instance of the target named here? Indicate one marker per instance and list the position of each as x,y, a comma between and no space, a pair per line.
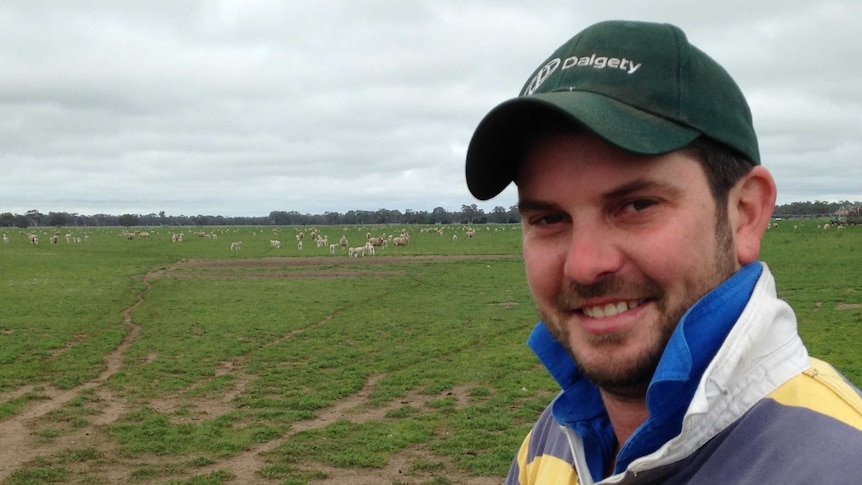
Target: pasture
150,361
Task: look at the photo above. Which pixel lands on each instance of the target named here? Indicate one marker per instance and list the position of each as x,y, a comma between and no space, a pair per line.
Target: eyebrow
535,205
641,185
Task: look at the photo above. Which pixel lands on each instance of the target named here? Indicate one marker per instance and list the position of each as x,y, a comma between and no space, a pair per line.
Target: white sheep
236,246
275,243
5,239
356,252
332,248
299,245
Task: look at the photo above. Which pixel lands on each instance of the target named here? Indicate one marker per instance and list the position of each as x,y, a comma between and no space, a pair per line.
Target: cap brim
496,146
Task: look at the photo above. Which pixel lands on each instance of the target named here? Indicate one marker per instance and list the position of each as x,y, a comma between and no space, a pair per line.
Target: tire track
15,435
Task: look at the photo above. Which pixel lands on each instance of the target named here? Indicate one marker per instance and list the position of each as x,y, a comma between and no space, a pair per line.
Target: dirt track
19,435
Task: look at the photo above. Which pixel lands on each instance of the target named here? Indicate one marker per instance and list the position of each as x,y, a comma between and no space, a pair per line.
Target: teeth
610,309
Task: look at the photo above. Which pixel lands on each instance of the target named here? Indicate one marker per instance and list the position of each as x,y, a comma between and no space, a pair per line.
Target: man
643,203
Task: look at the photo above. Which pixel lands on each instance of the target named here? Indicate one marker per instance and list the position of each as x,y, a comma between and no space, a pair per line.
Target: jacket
735,399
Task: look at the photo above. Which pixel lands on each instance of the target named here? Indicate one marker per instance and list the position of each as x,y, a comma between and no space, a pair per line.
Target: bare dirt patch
20,435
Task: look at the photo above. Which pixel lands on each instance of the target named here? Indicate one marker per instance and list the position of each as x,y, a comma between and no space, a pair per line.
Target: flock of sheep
53,238
372,244
825,226
370,248
312,236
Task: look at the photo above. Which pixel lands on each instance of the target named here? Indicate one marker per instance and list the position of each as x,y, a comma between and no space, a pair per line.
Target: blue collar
689,351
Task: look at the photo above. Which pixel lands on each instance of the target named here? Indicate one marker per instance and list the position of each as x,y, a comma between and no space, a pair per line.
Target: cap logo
541,76
594,61
601,62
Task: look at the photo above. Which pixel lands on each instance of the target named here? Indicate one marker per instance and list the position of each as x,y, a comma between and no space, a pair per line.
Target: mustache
576,295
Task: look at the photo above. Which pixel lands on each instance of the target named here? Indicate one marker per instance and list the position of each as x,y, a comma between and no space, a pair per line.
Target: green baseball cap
640,86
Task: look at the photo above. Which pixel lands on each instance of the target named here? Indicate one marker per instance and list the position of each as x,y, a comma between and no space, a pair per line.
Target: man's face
617,247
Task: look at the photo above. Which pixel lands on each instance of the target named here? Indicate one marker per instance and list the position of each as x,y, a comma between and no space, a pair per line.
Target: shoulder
545,455
808,431
822,390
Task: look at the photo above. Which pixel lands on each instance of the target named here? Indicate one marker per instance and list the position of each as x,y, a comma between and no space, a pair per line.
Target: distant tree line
812,209
469,214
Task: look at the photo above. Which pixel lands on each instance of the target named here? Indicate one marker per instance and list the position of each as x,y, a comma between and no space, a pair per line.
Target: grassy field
148,361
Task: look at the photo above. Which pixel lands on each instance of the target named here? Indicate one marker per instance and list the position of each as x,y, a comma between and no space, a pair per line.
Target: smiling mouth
610,309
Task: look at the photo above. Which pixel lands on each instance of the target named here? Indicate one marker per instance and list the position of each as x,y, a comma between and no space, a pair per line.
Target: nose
592,254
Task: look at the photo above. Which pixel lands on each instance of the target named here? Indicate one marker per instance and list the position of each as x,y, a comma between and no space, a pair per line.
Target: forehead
581,162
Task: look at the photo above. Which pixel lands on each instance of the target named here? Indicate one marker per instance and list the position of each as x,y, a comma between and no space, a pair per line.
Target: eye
548,219
638,205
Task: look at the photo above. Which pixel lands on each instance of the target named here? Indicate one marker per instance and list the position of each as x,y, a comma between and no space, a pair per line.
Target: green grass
230,357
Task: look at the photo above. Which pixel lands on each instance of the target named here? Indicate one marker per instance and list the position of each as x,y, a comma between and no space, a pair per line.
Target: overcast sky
239,108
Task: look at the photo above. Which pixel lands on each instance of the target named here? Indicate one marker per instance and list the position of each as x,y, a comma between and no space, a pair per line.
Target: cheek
678,257
543,272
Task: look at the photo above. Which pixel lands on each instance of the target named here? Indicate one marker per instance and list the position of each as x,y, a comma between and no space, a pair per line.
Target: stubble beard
630,379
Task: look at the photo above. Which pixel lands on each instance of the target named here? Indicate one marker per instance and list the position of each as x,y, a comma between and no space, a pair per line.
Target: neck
626,414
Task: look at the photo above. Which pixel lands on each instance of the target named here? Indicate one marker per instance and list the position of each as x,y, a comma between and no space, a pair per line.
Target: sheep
356,252
470,232
343,242
275,243
5,239
237,245
401,240
454,237
33,238
369,249
379,241
333,248
299,245
54,239
68,238
826,226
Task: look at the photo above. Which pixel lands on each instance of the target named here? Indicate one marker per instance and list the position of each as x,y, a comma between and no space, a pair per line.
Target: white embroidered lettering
601,62
569,62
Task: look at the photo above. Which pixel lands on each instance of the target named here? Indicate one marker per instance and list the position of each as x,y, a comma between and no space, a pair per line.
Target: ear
750,205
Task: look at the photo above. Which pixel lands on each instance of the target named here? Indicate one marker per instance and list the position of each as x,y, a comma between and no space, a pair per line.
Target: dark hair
723,167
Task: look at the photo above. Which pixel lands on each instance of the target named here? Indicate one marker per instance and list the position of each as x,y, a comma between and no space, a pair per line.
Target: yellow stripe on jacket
823,390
